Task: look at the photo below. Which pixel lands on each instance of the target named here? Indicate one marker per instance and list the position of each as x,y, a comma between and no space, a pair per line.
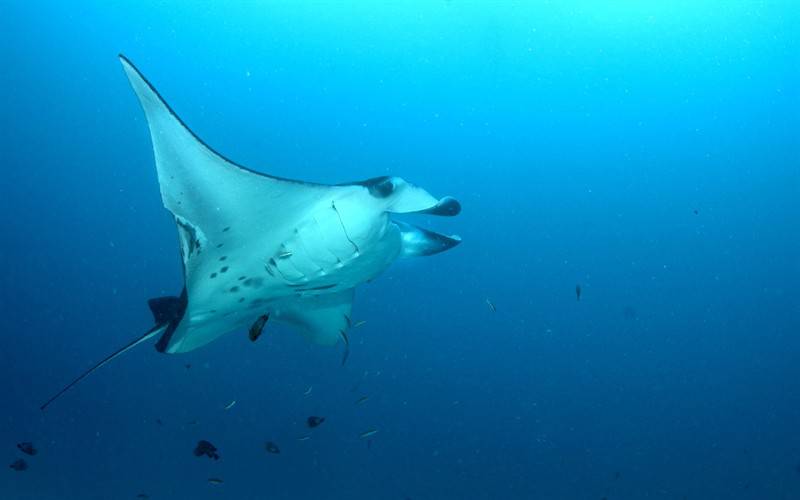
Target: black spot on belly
224,269
213,275
234,289
254,282
224,257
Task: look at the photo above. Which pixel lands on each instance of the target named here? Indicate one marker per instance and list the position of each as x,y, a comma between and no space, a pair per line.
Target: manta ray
256,247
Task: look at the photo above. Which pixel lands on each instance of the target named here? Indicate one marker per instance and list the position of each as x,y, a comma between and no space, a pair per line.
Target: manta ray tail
150,333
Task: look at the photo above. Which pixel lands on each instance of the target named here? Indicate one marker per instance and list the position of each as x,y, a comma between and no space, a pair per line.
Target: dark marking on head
379,187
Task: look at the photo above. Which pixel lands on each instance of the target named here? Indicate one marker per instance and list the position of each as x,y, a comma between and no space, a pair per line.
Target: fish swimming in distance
368,433
491,306
313,421
577,292
253,244
272,447
215,481
19,465
205,448
27,448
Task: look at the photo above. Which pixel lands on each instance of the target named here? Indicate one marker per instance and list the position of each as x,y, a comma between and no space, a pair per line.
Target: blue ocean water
645,151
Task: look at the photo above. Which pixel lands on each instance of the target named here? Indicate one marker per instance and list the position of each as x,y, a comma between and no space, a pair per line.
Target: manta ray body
256,247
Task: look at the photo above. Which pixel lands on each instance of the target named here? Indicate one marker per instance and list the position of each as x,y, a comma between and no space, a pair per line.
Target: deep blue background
580,138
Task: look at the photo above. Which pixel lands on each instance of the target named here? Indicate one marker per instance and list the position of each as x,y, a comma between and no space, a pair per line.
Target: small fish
362,399
159,421
19,465
188,365
142,496
304,438
360,323
491,305
578,292
272,447
308,391
368,433
205,448
285,255
230,405
346,341
258,327
215,481
313,421
696,211
27,448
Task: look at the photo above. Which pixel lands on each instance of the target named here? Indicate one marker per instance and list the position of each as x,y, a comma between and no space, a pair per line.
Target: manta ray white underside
257,247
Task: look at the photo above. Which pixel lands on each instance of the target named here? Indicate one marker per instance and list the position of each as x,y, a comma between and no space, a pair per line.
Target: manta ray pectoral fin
119,352
208,193
419,242
320,318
